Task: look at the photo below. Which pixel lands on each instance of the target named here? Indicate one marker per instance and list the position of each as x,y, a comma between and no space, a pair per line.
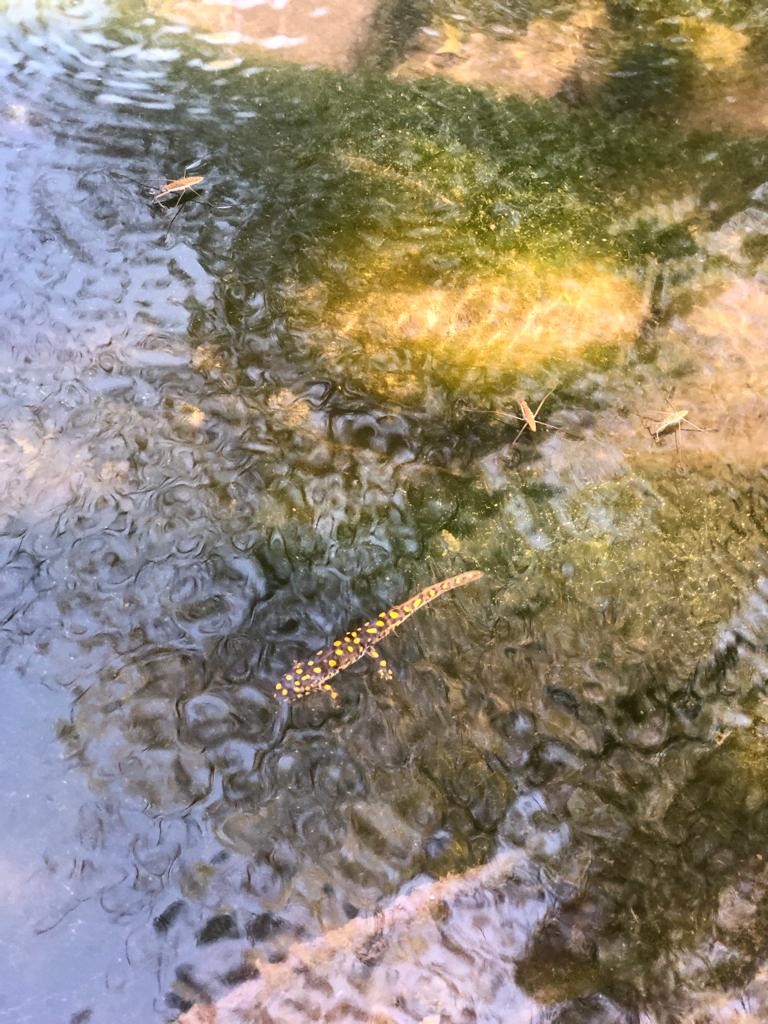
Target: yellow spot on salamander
351,649
310,662
337,643
417,602
372,629
406,608
432,592
380,623
332,663
317,670
394,614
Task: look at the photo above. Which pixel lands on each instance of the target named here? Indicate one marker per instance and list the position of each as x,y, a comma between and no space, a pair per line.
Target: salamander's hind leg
332,692
384,671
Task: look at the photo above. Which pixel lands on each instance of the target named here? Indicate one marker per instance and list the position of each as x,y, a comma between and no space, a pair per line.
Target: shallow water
223,444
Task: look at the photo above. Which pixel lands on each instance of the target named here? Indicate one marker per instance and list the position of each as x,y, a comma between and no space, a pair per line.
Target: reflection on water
332,33
227,439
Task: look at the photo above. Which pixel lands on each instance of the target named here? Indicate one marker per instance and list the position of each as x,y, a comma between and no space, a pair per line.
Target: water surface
227,439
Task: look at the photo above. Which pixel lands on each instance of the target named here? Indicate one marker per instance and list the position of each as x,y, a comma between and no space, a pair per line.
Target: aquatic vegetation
714,44
654,59
688,60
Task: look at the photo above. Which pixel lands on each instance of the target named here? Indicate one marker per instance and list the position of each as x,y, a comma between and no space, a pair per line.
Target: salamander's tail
436,589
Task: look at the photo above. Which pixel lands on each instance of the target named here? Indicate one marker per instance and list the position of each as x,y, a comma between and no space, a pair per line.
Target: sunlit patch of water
527,315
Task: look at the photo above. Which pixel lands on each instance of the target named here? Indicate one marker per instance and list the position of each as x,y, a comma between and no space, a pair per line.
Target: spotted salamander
315,674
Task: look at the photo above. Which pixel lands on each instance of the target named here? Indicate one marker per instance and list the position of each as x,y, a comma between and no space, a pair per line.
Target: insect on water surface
172,193
673,423
670,424
529,418
178,187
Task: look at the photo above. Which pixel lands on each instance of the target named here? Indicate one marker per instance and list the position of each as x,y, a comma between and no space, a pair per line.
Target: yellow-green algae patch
525,315
715,45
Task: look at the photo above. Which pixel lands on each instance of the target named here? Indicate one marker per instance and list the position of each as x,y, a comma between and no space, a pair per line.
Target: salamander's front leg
384,671
331,692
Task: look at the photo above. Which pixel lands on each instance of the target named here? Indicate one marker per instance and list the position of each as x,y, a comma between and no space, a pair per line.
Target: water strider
529,417
178,188
673,424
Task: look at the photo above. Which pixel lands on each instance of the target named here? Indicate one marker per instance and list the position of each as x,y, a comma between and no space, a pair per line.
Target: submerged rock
537,63
332,33
441,949
717,356
727,91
